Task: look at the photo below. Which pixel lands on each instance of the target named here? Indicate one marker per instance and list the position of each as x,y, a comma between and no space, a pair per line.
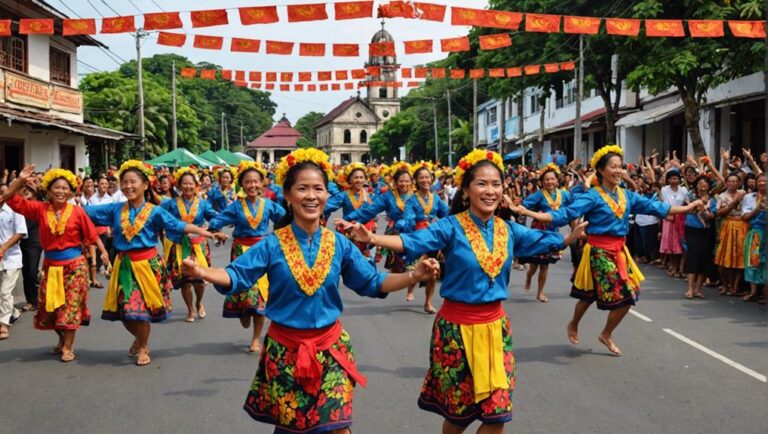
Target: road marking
640,315
720,357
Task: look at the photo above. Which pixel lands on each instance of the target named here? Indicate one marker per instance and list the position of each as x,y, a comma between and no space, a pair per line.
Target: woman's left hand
577,233
426,269
220,236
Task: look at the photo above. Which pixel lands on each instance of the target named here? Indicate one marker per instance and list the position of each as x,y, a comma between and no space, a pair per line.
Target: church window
347,136
382,92
363,136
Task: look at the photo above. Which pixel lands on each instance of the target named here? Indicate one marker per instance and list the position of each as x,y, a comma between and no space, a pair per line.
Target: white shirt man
12,229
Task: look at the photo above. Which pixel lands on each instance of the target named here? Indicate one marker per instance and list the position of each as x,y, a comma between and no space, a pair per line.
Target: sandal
543,299
689,296
67,356
751,297
430,310
699,295
133,351
97,285
28,307
143,359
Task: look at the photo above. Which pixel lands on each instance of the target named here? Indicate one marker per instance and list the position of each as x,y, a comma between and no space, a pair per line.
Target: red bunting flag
477,73
342,75
381,49
431,11
5,27
162,21
239,75
437,72
171,39
414,83
706,28
542,23
515,72
239,83
358,74
335,86
346,50
258,15
323,88
305,76
226,74
373,71
255,85
420,73
307,49
458,74
349,86
568,66
406,72
581,25
298,87
216,17
551,68
36,26
747,29
324,76
502,19
208,42
279,47
86,26
286,76
189,72
493,42
532,69
271,77
353,10
622,26
467,17
664,28
312,87
285,87
269,86
307,12
420,46
453,45
242,45
118,25
207,74
398,9
496,73
254,76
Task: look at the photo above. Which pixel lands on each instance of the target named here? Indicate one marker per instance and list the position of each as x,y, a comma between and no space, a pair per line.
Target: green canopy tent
179,158
212,157
231,158
245,156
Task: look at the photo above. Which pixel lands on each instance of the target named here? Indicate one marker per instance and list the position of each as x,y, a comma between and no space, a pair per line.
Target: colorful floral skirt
135,308
174,271
755,265
74,312
610,291
246,303
277,399
448,389
730,250
394,262
672,235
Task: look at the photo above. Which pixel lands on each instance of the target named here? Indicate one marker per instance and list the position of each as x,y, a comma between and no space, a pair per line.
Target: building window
535,104
491,116
13,53
60,67
382,92
570,93
363,136
347,136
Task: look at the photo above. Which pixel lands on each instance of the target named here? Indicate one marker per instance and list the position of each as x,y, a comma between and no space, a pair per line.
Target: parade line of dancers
292,273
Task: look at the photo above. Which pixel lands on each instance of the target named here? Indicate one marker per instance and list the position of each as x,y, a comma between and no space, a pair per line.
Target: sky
293,104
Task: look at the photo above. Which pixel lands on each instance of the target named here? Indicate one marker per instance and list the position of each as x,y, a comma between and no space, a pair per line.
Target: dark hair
65,180
544,173
290,180
149,195
398,174
241,175
356,170
459,206
416,173
194,178
602,162
700,178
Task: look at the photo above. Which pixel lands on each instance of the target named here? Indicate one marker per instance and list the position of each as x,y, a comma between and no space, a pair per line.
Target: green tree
306,126
462,136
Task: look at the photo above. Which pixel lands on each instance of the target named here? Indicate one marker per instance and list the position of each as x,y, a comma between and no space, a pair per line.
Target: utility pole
242,145
140,33
502,121
474,113
174,134
521,121
450,129
434,124
222,130
577,140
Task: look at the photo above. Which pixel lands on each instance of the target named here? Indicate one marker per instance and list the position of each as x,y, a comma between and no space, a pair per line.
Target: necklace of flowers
426,206
554,205
617,208
129,229
490,262
355,202
399,200
309,280
57,225
253,222
187,216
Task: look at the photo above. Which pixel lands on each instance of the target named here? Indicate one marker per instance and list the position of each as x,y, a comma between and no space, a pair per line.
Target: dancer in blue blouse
222,193
353,178
250,216
306,376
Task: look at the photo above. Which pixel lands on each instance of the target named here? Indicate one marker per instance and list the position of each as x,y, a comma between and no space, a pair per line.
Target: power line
110,8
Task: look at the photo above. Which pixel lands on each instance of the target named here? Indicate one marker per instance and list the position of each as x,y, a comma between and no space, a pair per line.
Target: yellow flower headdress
551,167
346,171
183,171
374,170
221,169
421,165
55,174
299,156
401,165
475,157
144,168
602,152
250,165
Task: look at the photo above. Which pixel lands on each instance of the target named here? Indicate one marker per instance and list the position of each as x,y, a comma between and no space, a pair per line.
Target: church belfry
382,90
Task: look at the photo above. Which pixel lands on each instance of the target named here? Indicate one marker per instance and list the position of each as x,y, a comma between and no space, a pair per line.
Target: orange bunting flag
496,73
458,74
502,20
358,74
398,9
420,46
431,11
381,49
307,49
254,76
36,26
5,27
188,72
551,68
581,25
118,25
239,75
706,28
406,72
226,74
285,87
414,83
307,12
542,23
515,72
241,83
353,10
532,69
342,75
622,26
493,42
305,76
279,47
171,39
420,73
477,73
453,45
323,87
208,74
298,87
349,86
324,76
86,26
467,17
242,45
258,15
437,72
747,29
255,85
568,66
336,86
216,17
373,71
346,50
311,87
269,86
664,28
271,77
208,42
162,21
286,76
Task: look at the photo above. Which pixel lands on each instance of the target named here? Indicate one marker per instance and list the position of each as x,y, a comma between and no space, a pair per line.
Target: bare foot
609,343
143,358
67,356
573,334
245,321
201,311
410,297
527,287
254,348
190,317
430,309
542,298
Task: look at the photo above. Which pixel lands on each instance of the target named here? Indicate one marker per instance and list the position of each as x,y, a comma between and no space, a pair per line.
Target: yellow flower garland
421,165
309,280
490,262
57,226
473,158
347,170
183,171
54,174
250,165
551,167
299,156
602,152
221,169
144,168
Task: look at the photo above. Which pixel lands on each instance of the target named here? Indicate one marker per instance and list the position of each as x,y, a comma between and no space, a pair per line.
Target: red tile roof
282,135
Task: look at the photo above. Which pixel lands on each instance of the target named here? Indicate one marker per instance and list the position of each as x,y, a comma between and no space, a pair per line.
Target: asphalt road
201,372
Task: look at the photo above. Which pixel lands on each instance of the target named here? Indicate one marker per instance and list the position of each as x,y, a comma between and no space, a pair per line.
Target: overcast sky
294,104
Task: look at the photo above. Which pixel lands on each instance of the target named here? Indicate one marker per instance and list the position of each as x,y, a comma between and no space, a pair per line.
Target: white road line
640,315
720,357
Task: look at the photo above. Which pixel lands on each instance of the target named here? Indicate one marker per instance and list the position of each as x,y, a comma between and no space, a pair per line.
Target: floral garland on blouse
187,216
58,225
490,262
358,203
553,204
309,280
131,230
617,208
399,200
426,206
253,222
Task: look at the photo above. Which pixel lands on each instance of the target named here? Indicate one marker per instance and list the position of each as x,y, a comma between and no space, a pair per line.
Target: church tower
382,90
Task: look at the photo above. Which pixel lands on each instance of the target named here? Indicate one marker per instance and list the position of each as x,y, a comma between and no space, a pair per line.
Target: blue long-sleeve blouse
219,199
205,211
537,202
288,305
383,203
415,212
465,281
233,215
159,220
341,200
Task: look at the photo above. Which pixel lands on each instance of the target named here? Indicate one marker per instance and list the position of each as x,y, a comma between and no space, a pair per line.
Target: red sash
247,241
196,240
468,314
614,245
140,254
422,225
60,263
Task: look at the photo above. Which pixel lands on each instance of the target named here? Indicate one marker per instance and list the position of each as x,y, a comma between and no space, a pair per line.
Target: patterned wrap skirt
74,312
395,263
609,290
277,398
755,264
448,389
174,270
545,259
135,308
672,235
730,249
246,303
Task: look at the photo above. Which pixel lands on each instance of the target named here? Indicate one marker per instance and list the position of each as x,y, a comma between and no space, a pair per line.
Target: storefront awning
42,120
645,117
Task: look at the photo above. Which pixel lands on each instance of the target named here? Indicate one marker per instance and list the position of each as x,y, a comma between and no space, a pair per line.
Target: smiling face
188,186
611,173
165,184
225,179
732,183
549,181
307,196
356,179
251,184
403,184
424,180
484,191
133,185
761,183
59,191
702,187
205,182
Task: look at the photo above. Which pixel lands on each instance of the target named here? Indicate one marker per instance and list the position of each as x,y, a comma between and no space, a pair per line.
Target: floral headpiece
551,167
245,166
475,157
342,178
401,165
144,168
299,156
184,171
602,152
421,165
54,174
375,170
221,169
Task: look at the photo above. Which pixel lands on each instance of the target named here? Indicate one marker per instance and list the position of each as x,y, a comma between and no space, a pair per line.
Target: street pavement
689,366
